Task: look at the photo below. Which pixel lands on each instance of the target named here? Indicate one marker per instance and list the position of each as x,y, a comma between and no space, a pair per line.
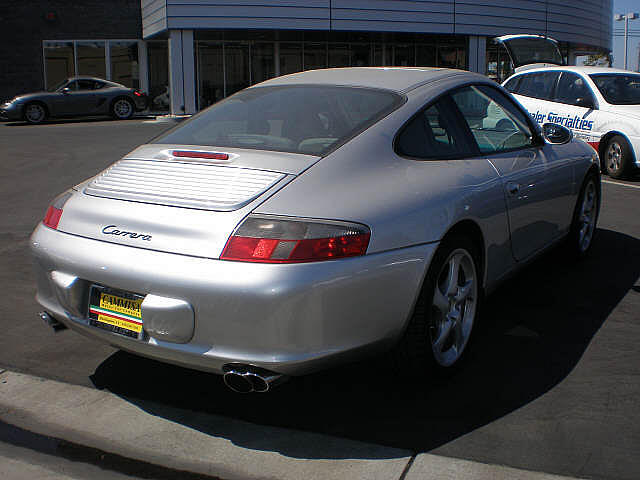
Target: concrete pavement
101,420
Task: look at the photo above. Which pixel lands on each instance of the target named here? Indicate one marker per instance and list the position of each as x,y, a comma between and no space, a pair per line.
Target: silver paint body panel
296,318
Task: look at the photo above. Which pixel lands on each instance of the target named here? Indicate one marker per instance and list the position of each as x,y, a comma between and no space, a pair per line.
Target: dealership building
190,53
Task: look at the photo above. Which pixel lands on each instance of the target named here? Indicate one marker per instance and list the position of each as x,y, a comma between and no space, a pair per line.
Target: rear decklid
529,51
171,198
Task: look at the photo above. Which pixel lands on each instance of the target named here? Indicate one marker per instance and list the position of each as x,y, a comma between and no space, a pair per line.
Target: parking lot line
619,183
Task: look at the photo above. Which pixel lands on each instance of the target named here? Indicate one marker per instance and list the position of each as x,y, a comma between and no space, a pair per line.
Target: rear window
309,119
532,50
618,89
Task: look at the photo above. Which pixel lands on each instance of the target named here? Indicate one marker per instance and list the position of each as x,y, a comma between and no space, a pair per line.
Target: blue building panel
589,23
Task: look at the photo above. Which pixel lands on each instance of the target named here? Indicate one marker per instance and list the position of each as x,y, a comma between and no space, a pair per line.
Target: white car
600,105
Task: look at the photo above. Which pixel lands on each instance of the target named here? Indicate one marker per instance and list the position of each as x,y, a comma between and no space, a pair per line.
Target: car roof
94,79
584,69
399,79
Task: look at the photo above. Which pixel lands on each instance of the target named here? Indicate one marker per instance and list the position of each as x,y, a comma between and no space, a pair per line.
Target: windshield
58,85
309,119
618,88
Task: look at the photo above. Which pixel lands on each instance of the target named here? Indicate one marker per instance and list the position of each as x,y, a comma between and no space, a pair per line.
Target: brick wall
24,27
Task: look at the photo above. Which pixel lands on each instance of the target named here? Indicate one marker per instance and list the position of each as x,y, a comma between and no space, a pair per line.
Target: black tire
585,218
417,352
618,157
122,108
35,113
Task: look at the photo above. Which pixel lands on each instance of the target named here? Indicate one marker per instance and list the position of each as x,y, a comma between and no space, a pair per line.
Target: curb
219,446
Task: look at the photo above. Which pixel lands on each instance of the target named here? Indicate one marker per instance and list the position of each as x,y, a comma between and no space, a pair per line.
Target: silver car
313,219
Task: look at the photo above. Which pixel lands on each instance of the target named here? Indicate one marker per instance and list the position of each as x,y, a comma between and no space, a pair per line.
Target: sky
626,6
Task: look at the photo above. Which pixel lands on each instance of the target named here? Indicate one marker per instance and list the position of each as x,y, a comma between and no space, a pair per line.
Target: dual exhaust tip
247,379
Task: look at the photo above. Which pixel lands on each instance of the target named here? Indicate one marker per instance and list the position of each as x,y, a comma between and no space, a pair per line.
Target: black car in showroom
77,96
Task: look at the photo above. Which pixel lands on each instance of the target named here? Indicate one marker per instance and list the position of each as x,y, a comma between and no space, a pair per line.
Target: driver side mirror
66,90
556,134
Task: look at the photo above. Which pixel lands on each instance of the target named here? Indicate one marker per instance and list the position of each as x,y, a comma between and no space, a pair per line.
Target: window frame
453,114
536,140
527,74
594,98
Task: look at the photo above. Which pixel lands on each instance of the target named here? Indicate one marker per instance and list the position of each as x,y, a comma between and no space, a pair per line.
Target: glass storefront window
229,61
262,62
361,55
210,73
381,55
315,56
339,55
290,58
91,59
425,55
236,66
124,63
59,62
158,61
404,55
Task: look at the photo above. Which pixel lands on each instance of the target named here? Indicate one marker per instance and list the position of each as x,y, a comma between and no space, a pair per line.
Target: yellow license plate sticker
119,312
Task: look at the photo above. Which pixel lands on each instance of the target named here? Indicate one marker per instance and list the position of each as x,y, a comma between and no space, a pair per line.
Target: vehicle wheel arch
468,228
604,141
122,97
39,102
471,229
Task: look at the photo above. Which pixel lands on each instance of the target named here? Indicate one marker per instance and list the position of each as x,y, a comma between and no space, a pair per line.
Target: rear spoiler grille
190,185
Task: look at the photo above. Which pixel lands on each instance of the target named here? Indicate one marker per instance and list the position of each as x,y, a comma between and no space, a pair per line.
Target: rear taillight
267,239
138,93
54,212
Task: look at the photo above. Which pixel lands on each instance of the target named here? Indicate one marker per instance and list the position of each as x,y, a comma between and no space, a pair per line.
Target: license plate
116,311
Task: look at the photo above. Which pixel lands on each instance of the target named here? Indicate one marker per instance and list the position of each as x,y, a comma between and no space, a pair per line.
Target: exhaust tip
258,383
47,318
238,382
243,378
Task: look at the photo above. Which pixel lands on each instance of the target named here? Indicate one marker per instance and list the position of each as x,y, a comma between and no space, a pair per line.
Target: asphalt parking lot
552,382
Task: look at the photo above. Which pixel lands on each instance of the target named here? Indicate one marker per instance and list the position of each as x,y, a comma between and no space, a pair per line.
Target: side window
73,86
496,123
433,133
573,90
85,84
98,85
538,85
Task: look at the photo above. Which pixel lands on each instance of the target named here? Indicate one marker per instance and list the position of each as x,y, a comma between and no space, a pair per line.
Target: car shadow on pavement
532,333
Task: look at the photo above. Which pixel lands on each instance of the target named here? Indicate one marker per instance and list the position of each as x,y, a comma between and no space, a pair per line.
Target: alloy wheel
587,218
454,306
614,157
122,108
35,113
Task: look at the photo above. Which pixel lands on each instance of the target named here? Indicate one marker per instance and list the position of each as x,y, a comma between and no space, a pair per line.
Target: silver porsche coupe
313,219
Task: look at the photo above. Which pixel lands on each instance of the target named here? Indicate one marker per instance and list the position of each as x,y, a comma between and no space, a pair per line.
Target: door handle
513,188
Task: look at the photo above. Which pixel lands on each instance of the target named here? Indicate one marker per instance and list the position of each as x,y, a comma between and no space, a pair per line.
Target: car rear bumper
141,103
290,319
